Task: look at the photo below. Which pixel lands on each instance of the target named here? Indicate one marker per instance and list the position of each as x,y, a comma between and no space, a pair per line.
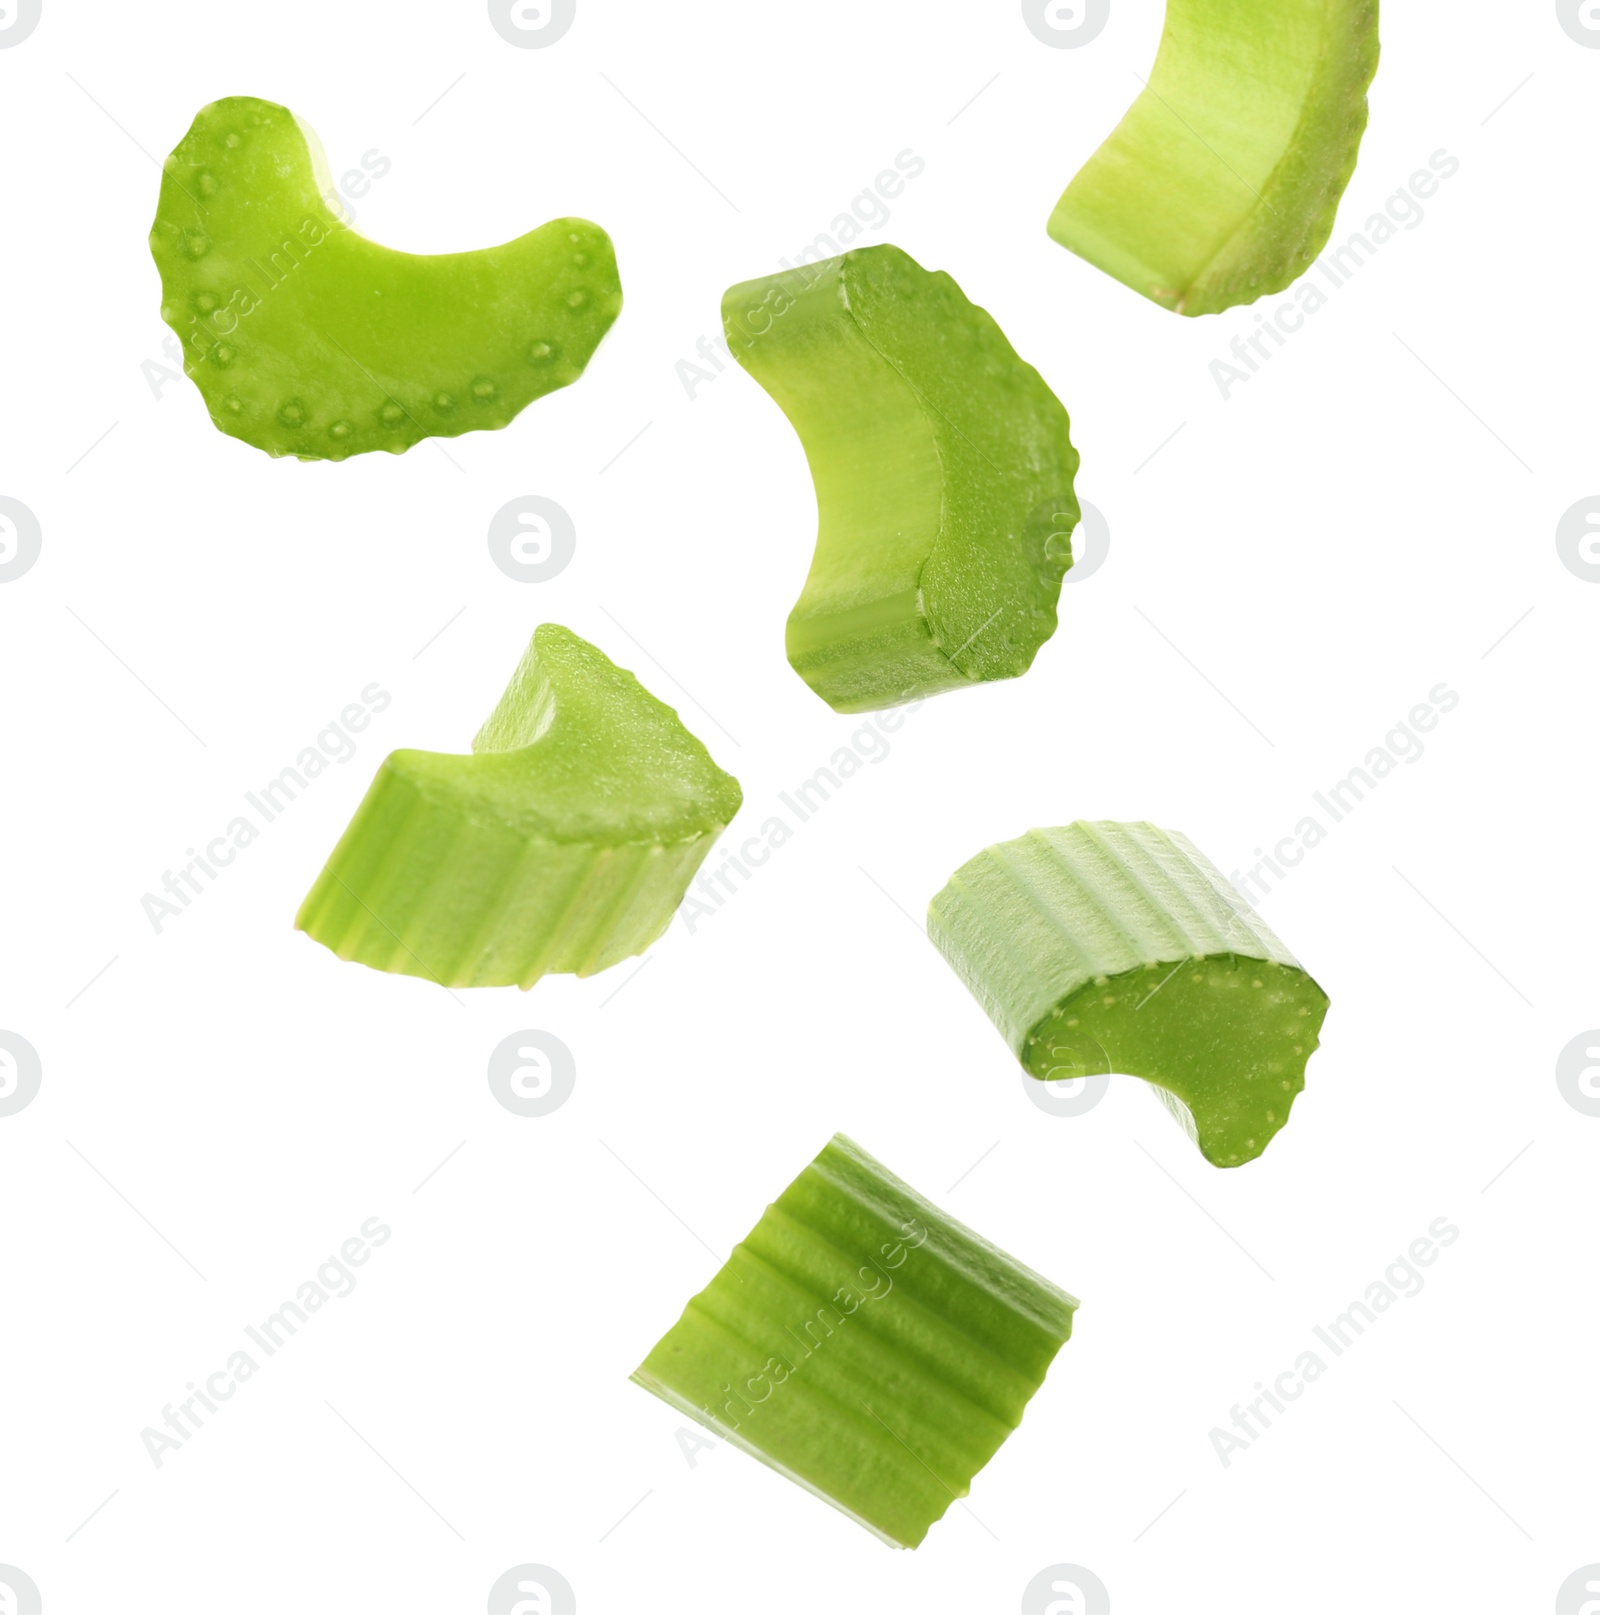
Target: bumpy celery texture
1119,947
1221,183
944,472
564,843
306,339
865,1345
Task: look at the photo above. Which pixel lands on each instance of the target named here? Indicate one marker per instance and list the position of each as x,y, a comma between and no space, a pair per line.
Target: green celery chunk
1119,947
944,472
307,339
1221,183
565,843
864,1344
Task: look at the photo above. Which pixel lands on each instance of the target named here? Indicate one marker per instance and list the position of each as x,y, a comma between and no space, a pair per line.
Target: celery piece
1119,947
305,338
564,844
1221,183
944,474
864,1344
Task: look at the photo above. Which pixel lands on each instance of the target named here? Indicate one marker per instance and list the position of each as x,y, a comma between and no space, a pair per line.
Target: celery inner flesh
307,339
943,467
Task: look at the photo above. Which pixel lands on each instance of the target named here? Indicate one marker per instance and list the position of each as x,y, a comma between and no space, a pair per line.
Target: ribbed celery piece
944,474
864,1344
1120,947
1221,183
306,339
565,843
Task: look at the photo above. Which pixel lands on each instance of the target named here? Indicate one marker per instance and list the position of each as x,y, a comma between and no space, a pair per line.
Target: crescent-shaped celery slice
307,339
943,467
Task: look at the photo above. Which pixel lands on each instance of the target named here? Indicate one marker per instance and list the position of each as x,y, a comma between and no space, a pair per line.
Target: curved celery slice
564,844
1221,183
944,475
1119,947
305,338
865,1345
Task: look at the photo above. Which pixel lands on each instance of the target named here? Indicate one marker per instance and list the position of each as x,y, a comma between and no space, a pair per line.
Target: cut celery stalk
864,1344
944,474
564,844
306,339
1119,947
1221,183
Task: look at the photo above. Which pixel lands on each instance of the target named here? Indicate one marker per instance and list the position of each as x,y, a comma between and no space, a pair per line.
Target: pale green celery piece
565,843
1118,947
865,1344
1221,183
307,339
943,468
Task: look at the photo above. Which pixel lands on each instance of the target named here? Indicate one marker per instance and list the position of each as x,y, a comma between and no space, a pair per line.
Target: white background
1371,515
